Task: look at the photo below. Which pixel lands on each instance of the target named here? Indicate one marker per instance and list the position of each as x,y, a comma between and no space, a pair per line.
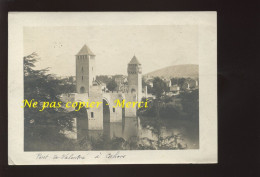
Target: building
175,89
150,82
72,79
123,87
85,70
168,82
101,84
121,82
91,90
134,71
190,84
147,77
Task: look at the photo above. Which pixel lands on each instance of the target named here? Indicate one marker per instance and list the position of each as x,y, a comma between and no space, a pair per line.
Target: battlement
112,91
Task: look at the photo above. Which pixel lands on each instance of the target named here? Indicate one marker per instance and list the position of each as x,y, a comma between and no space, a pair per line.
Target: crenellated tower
134,71
85,70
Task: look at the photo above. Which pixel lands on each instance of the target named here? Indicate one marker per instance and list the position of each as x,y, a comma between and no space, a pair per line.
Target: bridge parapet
94,117
113,91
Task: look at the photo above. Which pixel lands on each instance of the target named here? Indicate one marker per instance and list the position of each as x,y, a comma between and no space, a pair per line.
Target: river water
173,134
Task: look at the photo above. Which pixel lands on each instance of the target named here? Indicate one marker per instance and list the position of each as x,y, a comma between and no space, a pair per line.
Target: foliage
178,81
159,87
170,110
67,87
103,78
186,105
190,102
112,85
149,111
42,87
167,99
144,84
149,89
117,76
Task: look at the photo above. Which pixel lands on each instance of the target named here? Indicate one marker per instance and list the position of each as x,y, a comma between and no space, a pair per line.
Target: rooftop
85,51
134,61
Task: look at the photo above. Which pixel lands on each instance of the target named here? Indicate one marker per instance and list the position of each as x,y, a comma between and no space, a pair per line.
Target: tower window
114,109
92,114
82,78
82,69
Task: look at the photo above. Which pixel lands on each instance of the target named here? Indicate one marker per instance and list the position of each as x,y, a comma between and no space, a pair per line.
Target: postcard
112,88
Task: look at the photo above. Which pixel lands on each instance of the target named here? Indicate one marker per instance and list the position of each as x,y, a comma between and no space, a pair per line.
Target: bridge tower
85,70
134,71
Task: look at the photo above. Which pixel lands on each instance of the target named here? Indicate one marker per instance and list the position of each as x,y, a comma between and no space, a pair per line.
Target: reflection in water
169,134
106,112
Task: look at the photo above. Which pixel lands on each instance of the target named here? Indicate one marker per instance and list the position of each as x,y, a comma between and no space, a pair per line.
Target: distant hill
188,70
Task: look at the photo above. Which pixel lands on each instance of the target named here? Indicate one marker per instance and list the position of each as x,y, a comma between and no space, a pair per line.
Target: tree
103,78
144,83
112,85
178,81
174,81
190,102
42,87
159,87
181,81
67,87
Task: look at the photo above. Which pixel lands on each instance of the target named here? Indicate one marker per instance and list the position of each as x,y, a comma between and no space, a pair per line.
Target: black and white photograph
112,86
127,88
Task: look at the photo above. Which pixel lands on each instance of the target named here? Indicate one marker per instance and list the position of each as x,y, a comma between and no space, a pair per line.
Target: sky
155,46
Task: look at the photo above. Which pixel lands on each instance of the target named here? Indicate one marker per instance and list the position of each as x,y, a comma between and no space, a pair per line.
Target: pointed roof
85,51
134,61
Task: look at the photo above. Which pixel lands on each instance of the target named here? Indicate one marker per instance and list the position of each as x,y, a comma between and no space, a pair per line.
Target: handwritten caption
72,156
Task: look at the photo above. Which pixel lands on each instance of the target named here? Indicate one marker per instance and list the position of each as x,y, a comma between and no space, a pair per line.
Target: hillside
188,70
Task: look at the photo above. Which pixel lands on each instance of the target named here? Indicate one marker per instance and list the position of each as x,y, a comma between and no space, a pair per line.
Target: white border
207,23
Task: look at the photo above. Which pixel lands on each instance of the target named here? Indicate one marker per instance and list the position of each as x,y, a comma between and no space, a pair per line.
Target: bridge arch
106,99
106,111
122,97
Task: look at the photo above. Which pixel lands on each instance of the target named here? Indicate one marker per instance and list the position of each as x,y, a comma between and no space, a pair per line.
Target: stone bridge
107,111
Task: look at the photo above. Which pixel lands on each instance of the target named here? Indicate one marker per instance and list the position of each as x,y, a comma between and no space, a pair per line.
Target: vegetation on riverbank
42,130
185,105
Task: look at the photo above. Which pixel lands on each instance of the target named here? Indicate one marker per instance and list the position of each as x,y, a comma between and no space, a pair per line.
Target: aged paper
112,88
